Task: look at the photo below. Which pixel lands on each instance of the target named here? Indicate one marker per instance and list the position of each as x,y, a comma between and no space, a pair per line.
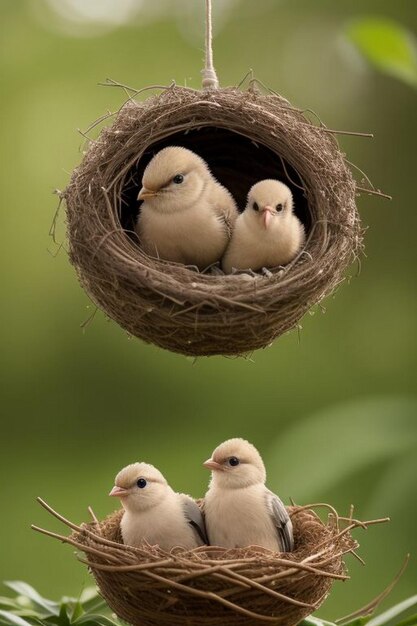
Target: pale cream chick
239,510
267,233
154,513
186,215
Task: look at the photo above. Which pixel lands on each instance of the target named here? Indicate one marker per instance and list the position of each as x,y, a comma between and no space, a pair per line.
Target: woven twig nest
214,586
244,136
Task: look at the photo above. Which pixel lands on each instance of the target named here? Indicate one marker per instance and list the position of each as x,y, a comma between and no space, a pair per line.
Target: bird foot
266,272
216,270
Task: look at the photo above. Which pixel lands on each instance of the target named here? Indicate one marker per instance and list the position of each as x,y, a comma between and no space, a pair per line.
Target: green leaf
89,594
6,603
26,613
91,600
390,617
386,45
63,613
91,619
409,621
77,611
315,621
49,607
13,620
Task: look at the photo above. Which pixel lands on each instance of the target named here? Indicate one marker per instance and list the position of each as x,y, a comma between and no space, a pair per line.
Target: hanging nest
214,586
244,136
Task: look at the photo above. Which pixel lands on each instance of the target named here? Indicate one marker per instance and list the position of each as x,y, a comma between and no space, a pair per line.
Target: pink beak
118,492
267,215
213,465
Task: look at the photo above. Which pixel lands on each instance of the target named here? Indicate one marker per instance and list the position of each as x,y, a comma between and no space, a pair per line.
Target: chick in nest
267,233
239,509
186,215
155,513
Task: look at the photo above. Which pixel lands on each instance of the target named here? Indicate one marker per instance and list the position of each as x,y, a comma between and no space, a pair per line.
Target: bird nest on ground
244,136
214,586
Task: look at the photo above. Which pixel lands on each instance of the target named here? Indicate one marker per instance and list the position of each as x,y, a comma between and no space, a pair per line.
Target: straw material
210,585
244,136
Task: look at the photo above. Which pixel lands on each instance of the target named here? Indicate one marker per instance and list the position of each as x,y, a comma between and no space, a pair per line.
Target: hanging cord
210,80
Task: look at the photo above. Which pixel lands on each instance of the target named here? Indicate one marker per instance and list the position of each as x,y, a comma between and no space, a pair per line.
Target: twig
368,609
93,515
374,192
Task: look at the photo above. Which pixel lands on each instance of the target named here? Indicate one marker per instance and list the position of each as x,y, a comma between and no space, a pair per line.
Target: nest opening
236,161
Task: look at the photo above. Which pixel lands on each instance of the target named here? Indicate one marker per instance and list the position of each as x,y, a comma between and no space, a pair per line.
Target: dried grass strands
244,136
213,586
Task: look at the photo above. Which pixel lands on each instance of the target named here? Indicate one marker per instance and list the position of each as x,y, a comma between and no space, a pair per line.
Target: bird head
139,486
174,180
269,202
236,463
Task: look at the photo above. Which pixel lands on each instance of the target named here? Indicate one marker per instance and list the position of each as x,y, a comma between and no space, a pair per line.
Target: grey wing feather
194,517
282,521
225,207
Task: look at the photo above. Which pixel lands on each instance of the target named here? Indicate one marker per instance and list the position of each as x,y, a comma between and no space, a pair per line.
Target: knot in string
210,80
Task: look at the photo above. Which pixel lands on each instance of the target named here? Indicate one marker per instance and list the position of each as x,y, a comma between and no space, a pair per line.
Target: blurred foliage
29,608
329,407
386,45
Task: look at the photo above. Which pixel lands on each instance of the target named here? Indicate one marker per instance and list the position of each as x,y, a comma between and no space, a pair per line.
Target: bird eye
141,483
178,179
255,206
233,461
279,207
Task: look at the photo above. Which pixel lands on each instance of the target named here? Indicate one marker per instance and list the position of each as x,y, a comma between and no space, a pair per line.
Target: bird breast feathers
183,229
165,521
245,506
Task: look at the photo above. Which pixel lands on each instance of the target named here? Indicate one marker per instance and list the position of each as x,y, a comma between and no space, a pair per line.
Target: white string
210,80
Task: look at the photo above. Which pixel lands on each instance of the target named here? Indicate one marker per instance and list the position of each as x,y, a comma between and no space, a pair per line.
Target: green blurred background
332,409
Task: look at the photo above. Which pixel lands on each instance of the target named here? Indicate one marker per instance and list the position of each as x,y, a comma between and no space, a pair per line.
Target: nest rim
173,305
255,585
132,578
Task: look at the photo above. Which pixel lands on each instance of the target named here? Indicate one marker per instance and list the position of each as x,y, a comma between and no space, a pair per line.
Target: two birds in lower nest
237,511
188,217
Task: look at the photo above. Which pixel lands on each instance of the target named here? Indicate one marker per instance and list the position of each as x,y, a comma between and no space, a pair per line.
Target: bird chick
267,233
186,215
239,510
154,513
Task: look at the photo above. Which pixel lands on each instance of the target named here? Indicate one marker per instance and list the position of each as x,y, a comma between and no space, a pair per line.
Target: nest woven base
213,586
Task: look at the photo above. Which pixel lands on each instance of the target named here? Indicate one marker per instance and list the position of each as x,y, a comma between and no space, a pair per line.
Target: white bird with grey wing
239,510
186,215
155,513
267,233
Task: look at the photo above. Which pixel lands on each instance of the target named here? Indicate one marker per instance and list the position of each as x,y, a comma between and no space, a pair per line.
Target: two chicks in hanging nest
238,510
188,217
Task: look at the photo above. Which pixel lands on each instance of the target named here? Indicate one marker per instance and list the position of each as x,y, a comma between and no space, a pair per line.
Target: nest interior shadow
236,162
244,136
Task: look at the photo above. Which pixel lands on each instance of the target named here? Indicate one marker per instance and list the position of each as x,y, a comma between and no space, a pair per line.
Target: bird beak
213,465
118,492
146,193
267,215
